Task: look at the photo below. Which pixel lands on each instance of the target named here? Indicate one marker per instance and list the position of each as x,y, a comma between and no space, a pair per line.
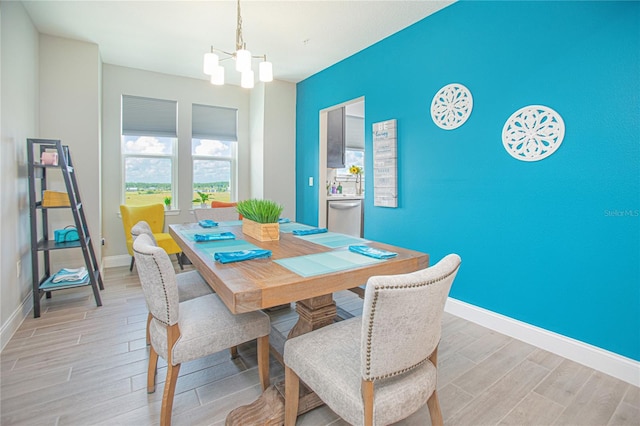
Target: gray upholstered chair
184,331
190,283
217,214
381,367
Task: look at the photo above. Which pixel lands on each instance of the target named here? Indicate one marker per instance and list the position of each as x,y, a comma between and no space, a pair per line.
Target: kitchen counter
344,197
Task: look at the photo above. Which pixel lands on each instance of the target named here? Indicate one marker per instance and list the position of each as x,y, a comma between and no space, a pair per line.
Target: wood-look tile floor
82,365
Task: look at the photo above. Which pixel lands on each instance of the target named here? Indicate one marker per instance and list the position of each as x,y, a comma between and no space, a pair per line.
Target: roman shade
149,117
214,123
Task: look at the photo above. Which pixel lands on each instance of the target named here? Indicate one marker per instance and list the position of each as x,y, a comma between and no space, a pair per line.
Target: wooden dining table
284,278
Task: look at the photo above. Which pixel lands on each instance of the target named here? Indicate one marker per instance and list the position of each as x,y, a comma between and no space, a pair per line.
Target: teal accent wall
554,243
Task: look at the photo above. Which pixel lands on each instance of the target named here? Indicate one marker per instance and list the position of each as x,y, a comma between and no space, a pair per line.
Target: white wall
70,111
19,121
273,150
186,91
280,145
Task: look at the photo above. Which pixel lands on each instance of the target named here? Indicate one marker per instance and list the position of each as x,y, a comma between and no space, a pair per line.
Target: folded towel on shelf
67,274
309,231
372,252
207,223
214,237
238,256
283,220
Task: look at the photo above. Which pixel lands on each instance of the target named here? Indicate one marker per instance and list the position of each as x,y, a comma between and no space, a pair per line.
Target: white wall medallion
451,106
533,133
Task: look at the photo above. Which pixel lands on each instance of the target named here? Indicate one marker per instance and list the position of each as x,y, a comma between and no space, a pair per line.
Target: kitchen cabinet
336,138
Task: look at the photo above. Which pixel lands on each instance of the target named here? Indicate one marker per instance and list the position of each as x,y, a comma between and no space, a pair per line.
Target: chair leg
152,370
133,260
148,324
180,261
367,399
291,396
169,391
434,409
263,361
234,352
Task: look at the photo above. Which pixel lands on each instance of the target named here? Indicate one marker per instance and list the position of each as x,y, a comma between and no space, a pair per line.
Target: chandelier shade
243,62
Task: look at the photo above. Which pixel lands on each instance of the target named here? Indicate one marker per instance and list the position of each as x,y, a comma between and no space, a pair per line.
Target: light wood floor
81,365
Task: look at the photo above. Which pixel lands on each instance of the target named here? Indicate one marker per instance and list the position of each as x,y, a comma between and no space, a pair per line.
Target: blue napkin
283,220
309,231
207,223
238,256
372,252
214,237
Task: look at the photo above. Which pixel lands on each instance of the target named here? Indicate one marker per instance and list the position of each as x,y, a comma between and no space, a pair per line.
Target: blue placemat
332,239
326,263
212,247
291,226
230,223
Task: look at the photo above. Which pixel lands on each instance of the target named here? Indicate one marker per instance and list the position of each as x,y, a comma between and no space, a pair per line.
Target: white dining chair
382,367
185,331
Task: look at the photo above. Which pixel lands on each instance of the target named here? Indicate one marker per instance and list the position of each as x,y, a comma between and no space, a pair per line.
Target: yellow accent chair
153,214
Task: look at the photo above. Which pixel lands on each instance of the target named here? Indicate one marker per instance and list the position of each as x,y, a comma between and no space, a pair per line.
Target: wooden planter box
261,231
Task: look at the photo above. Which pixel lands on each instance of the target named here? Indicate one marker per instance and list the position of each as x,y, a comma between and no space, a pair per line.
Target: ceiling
300,37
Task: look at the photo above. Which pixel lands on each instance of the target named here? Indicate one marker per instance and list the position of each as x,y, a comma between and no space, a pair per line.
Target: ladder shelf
40,241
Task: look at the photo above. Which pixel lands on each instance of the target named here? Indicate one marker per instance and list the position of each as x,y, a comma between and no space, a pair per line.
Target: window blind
354,132
215,123
149,117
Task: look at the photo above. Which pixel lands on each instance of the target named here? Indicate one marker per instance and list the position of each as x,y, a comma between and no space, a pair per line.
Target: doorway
338,176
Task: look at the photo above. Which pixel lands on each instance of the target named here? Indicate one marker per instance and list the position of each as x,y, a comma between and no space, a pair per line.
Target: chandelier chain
239,39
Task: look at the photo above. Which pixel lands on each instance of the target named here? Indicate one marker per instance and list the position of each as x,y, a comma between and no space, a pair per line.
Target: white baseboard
114,261
599,359
15,320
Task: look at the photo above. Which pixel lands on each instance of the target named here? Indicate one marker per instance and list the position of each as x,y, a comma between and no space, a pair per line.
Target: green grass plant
261,211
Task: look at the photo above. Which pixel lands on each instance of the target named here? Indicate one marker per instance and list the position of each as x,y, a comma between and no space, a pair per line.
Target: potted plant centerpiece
260,218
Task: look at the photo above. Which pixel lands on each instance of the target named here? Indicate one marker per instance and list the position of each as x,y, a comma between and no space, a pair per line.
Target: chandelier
242,58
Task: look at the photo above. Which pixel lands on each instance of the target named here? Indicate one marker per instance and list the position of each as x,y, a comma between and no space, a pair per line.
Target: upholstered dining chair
153,214
381,367
220,211
190,284
185,331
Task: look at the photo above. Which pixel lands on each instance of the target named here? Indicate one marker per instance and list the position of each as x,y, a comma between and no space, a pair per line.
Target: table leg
268,409
314,313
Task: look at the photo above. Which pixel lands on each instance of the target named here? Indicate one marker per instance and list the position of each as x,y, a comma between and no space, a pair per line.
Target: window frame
173,157
232,159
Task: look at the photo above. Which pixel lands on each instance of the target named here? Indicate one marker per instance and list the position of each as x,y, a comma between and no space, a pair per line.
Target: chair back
143,227
221,214
227,210
158,280
153,214
401,318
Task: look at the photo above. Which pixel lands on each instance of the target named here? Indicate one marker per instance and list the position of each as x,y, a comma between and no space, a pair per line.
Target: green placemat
292,226
326,263
332,239
211,247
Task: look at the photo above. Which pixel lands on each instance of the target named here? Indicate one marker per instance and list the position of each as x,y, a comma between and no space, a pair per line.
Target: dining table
302,269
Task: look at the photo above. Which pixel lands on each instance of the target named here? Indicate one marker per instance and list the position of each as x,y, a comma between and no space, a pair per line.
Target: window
149,140
214,153
354,142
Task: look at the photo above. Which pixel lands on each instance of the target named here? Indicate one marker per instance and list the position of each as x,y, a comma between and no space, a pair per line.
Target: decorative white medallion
451,106
533,133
